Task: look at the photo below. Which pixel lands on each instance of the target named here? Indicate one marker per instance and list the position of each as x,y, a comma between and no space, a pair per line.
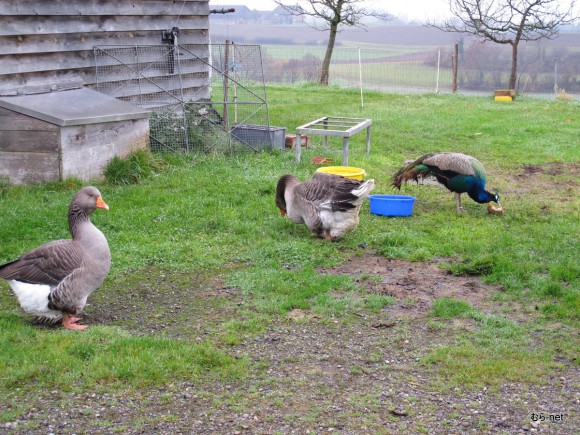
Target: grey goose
328,204
53,281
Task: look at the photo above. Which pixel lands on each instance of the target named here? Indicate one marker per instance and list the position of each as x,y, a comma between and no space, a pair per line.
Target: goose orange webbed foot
71,323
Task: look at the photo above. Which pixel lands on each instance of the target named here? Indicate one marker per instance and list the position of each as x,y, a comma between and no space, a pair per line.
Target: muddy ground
313,376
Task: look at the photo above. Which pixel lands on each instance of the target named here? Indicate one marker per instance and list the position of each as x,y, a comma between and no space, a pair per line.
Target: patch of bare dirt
553,169
415,284
554,185
156,301
550,176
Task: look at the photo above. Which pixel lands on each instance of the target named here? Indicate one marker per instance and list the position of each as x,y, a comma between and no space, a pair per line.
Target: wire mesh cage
203,96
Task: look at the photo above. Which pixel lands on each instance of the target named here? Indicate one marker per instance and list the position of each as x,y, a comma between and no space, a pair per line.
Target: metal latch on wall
169,36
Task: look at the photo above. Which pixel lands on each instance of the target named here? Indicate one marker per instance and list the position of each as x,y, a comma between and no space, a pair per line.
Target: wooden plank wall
29,148
48,45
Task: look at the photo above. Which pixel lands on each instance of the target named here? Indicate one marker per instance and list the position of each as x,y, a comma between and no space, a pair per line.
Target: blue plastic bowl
392,205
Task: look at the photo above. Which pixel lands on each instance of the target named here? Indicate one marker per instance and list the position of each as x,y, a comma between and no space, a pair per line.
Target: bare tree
330,15
509,22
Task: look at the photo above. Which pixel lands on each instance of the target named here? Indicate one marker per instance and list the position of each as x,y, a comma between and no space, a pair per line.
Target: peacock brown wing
456,162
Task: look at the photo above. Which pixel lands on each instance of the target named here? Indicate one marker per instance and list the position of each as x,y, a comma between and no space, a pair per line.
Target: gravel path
311,375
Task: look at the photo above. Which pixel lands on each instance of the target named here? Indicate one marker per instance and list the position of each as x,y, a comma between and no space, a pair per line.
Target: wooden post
455,64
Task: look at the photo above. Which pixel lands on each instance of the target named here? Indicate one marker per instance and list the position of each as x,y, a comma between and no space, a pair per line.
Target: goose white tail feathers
364,190
32,298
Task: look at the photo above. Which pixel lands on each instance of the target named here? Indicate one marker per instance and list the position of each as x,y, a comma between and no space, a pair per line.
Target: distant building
280,16
242,14
245,15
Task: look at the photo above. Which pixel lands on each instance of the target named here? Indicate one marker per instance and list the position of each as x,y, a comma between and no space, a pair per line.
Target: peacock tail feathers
413,174
442,166
458,172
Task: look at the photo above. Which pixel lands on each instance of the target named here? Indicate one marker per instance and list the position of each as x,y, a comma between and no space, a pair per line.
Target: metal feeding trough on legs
334,126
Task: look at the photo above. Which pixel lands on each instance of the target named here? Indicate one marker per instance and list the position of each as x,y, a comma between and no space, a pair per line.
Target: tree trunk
328,54
512,82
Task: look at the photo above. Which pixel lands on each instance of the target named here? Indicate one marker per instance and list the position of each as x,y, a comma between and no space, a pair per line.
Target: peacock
460,173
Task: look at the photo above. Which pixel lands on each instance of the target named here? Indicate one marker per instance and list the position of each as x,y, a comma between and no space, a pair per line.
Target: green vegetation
499,350
448,308
107,355
132,169
214,216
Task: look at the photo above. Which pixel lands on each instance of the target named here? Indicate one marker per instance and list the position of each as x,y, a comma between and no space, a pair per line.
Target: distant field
302,34
393,69
415,36
347,54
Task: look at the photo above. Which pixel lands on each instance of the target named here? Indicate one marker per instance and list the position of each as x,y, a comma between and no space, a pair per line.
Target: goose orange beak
102,204
282,212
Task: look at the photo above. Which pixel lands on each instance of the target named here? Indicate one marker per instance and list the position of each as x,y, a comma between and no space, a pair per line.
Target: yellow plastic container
503,98
345,171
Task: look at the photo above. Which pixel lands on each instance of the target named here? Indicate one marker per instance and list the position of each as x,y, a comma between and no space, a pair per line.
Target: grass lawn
205,216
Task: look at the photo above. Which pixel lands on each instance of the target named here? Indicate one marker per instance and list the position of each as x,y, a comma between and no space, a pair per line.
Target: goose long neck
76,216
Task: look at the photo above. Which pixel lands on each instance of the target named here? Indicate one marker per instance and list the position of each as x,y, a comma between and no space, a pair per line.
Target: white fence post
362,103
438,65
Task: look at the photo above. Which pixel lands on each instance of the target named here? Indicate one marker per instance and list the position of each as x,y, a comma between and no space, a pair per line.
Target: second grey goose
328,204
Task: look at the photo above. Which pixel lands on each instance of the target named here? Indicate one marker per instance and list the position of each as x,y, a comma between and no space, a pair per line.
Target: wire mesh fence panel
482,68
198,94
396,70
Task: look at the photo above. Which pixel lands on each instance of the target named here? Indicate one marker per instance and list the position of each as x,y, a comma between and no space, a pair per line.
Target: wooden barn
54,123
